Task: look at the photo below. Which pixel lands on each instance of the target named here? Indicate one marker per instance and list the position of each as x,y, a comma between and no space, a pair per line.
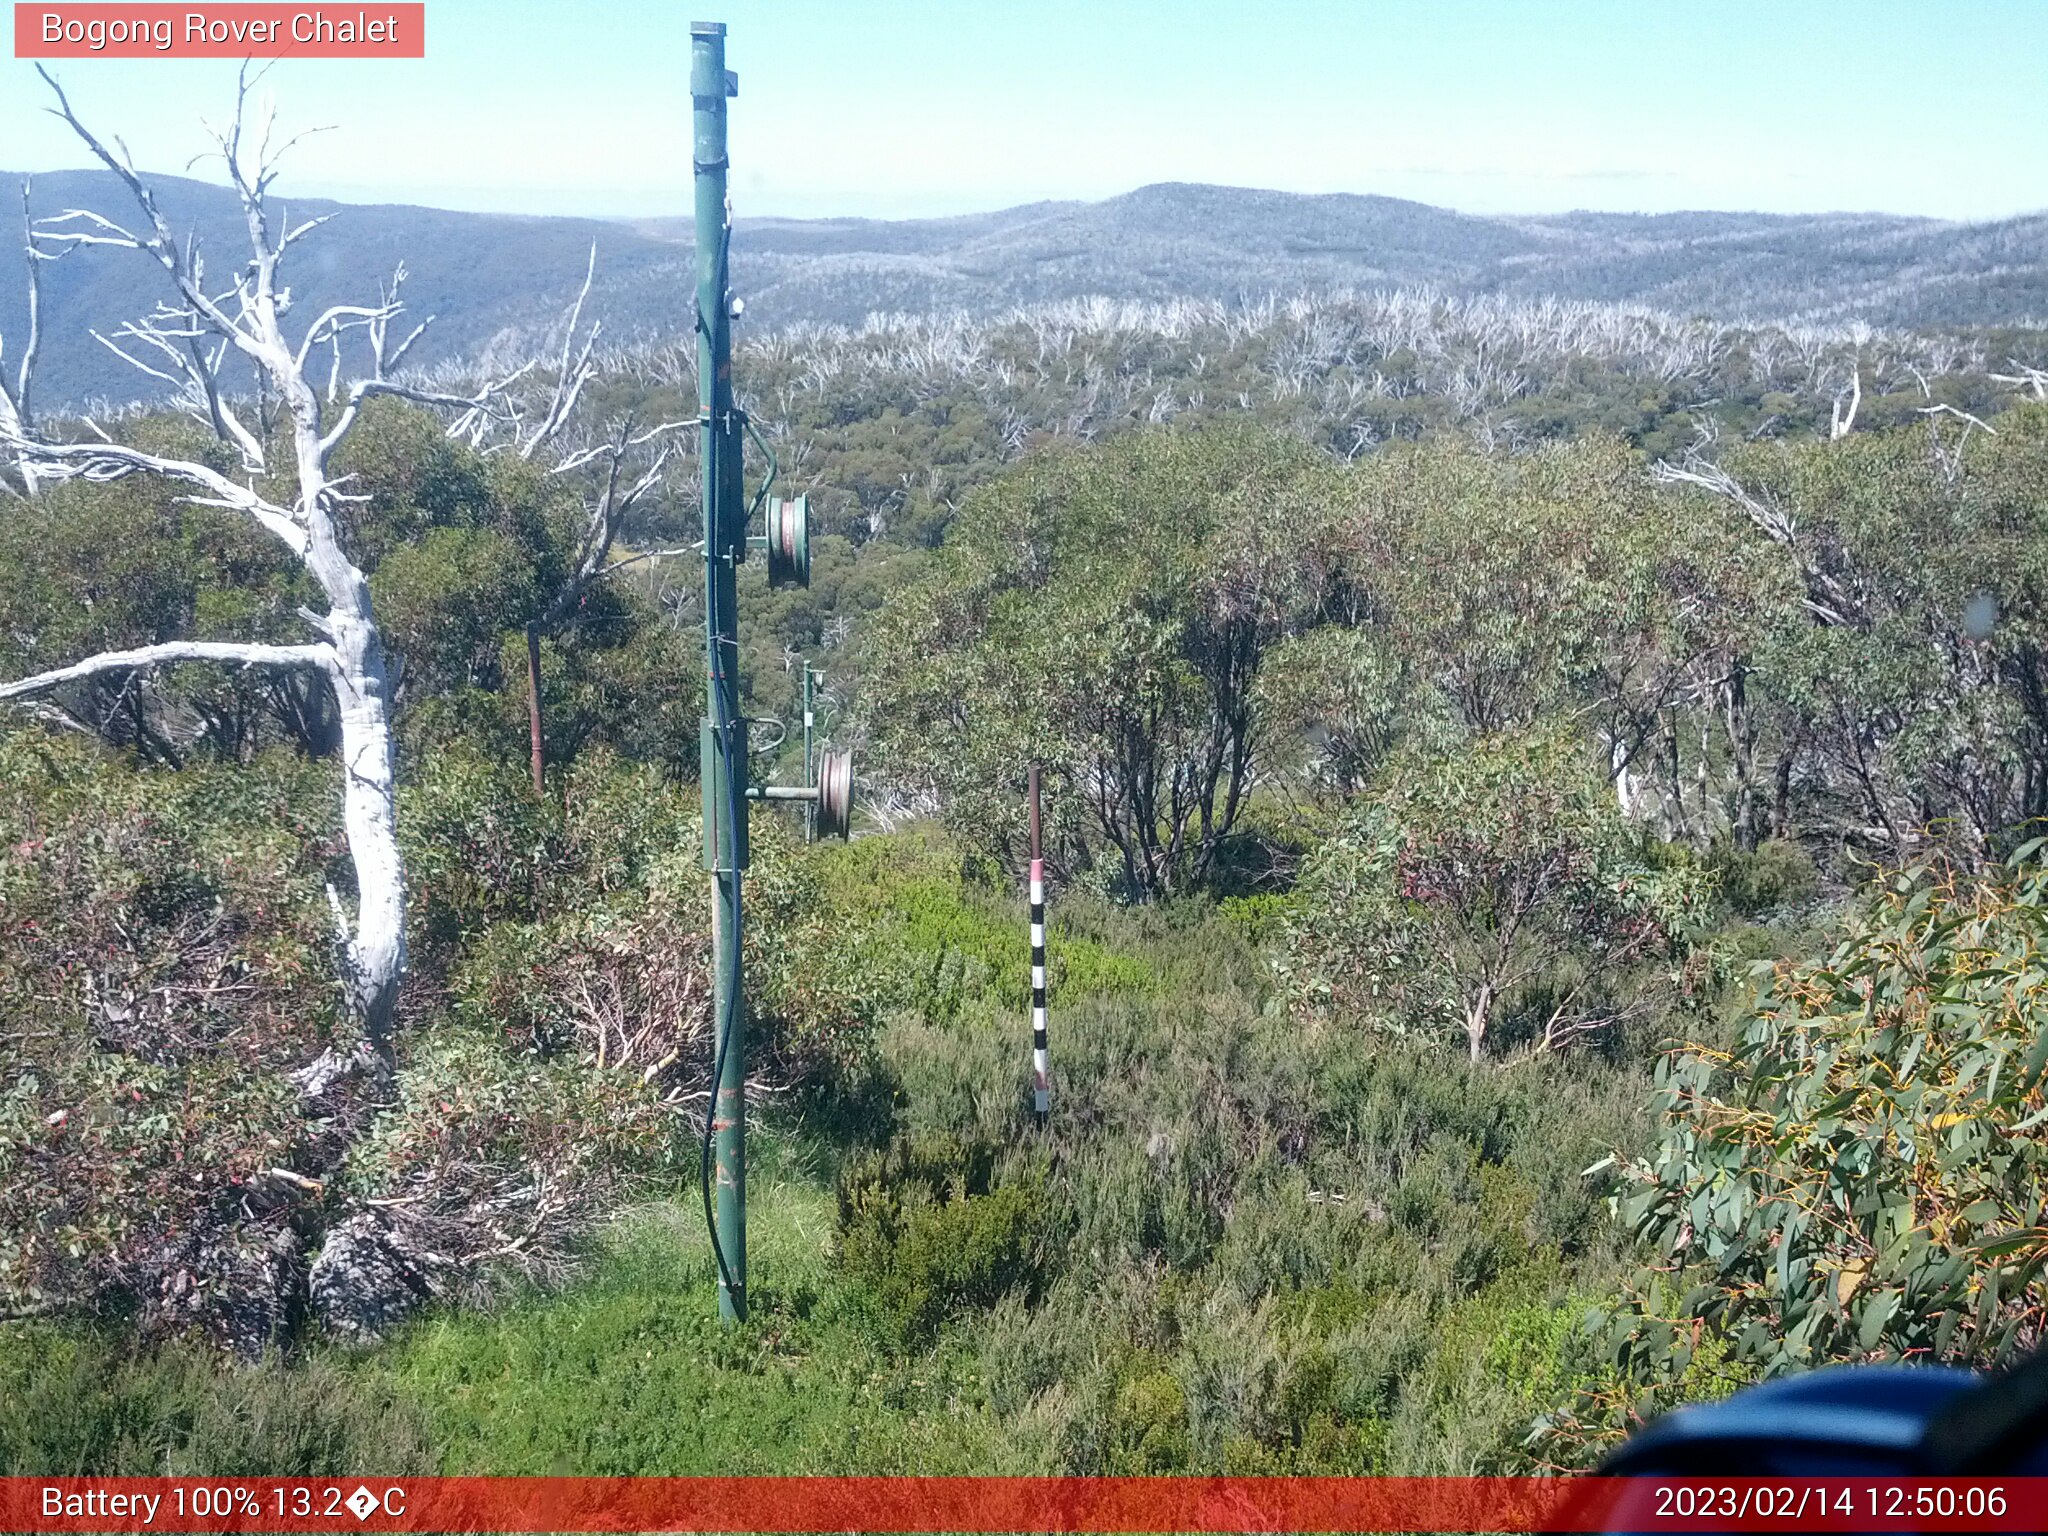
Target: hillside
492,278
1177,240
480,275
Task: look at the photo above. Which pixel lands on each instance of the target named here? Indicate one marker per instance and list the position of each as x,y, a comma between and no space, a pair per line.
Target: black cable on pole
731,938
725,1032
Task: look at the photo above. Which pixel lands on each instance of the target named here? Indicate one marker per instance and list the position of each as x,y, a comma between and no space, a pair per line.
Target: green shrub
1103,612
619,675
926,1231
627,825
493,1161
1262,919
83,1402
443,600
1776,875
1148,1422
165,933
947,948
478,846
481,848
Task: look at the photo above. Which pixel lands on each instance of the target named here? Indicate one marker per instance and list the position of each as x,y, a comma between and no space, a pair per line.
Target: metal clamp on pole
719,825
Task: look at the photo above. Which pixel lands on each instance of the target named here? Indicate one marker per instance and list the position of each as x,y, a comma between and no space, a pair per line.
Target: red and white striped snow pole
1041,1084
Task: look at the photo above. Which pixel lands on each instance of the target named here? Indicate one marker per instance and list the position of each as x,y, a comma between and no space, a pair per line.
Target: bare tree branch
646,554
1825,598
183,267
1961,415
168,653
489,403
24,385
611,506
104,461
2033,380
570,377
1948,457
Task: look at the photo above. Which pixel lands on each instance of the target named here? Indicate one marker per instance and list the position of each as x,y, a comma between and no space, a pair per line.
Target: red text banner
115,31
1053,1504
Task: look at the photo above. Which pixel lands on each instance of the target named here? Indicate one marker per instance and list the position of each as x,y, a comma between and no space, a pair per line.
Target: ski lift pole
723,743
1041,1083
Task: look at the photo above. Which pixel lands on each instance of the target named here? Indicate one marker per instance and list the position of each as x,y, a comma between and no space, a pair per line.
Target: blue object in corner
1845,1421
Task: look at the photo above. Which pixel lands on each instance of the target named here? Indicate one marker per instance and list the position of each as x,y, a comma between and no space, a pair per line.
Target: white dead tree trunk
187,342
17,406
1842,415
2025,376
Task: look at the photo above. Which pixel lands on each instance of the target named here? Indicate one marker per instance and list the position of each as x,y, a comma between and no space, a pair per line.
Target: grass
629,1371
626,1371
86,1400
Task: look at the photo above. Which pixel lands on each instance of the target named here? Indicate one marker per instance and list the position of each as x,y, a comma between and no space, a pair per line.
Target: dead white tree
1947,456
1842,415
17,405
2025,376
188,341
1826,599
622,485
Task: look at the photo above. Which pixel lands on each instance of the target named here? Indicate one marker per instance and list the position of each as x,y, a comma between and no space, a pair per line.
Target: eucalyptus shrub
1494,893
1106,614
1862,1175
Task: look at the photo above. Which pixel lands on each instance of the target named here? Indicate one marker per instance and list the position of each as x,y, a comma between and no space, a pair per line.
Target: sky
907,108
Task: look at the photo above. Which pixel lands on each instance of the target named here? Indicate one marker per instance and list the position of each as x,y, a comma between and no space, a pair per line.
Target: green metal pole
724,752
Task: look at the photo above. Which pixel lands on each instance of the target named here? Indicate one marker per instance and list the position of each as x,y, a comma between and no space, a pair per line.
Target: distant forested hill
481,275
499,279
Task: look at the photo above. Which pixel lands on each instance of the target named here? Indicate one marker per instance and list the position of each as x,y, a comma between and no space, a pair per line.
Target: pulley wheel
789,541
835,795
